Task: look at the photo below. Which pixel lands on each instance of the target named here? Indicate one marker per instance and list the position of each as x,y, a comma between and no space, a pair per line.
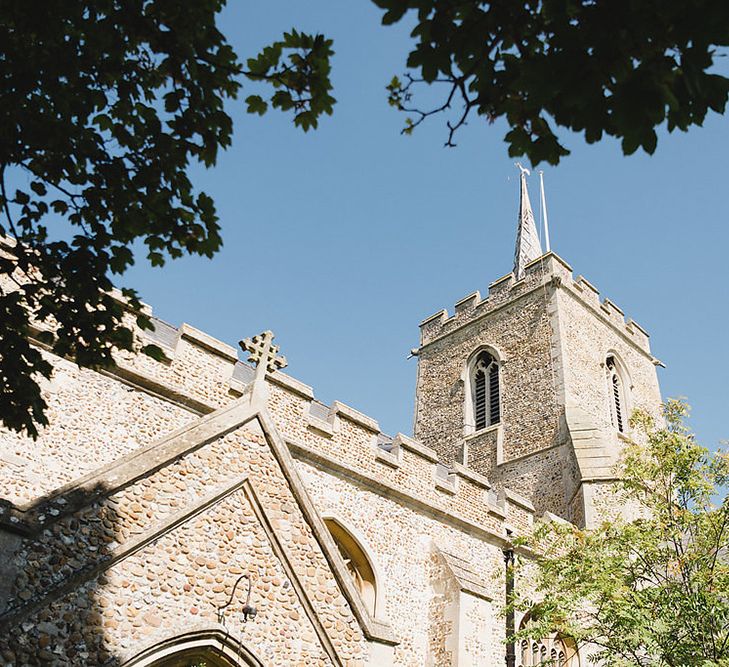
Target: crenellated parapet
201,375
547,271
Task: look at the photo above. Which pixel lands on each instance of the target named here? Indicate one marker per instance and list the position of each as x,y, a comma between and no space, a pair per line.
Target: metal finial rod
544,210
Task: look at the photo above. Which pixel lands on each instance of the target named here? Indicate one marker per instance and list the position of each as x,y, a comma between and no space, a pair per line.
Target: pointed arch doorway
209,648
195,658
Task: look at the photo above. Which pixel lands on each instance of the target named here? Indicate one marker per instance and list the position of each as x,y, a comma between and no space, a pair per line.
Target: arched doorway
194,658
203,648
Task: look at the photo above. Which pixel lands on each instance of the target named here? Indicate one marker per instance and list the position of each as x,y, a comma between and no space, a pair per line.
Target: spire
528,247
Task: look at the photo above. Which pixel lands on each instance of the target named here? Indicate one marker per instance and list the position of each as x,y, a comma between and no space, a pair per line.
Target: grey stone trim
319,410
581,283
243,373
280,553
392,458
471,475
292,384
323,427
441,314
468,579
468,301
207,342
507,304
140,381
596,459
549,255
200,634
134,465
374,630
519,501
163,333
622,331
609,305
149,385
499,281
635,325
342,410
401,440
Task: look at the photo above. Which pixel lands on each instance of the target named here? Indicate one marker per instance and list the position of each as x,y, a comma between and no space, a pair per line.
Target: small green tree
652,591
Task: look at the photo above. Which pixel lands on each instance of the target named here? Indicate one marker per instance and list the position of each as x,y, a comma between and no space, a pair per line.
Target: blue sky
342,240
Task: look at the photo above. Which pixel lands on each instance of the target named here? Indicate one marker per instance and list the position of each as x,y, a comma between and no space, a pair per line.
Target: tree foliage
104,104
598,67
653,591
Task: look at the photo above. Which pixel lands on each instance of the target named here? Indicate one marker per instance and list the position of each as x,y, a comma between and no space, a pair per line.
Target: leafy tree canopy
653,591
597,67
104,104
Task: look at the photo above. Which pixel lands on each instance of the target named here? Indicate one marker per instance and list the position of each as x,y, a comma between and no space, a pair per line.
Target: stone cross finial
263,353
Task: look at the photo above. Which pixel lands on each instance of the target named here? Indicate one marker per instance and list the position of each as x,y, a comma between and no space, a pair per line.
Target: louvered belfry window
617,408
485,392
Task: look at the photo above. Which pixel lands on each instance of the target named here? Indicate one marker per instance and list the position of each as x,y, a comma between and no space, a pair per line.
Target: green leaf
256,104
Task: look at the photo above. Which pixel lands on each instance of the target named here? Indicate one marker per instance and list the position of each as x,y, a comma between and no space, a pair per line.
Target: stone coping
139,463
558,272
377,484
131,546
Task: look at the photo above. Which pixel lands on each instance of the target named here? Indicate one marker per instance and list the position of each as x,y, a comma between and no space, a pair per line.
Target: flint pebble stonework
157,485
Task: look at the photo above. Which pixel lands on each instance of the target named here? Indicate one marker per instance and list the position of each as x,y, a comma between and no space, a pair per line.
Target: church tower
533,385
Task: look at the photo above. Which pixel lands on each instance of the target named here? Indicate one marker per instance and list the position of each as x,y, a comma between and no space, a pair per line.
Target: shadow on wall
61,603
54,561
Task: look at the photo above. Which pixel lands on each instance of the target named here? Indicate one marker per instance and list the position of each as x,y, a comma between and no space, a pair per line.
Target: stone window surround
360,541
469,419
627,387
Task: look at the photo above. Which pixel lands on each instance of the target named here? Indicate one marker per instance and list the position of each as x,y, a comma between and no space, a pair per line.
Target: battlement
547,271
200,375
342,439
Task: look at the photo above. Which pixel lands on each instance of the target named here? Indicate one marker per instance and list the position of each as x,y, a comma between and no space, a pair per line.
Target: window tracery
554,651
485,389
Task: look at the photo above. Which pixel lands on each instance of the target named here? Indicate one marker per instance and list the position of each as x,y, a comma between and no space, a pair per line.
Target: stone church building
209,510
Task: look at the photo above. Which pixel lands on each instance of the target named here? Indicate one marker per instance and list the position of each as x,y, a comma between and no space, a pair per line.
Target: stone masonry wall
139,564
520,331
590,333
94,419
183,573
401,543
553,335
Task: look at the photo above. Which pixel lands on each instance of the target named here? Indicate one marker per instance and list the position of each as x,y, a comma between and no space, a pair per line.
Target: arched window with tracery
553,651
617,394
485,391
357,563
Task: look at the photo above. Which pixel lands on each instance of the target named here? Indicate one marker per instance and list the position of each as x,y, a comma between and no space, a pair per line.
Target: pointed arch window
485,391
617,394
357,563
553,651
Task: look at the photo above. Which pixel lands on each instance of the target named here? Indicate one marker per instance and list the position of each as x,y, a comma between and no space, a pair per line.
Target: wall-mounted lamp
249,611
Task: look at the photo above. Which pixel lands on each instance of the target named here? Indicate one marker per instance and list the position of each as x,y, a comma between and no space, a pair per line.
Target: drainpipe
509,571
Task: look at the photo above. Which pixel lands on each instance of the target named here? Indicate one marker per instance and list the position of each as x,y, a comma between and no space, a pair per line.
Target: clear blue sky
342,240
